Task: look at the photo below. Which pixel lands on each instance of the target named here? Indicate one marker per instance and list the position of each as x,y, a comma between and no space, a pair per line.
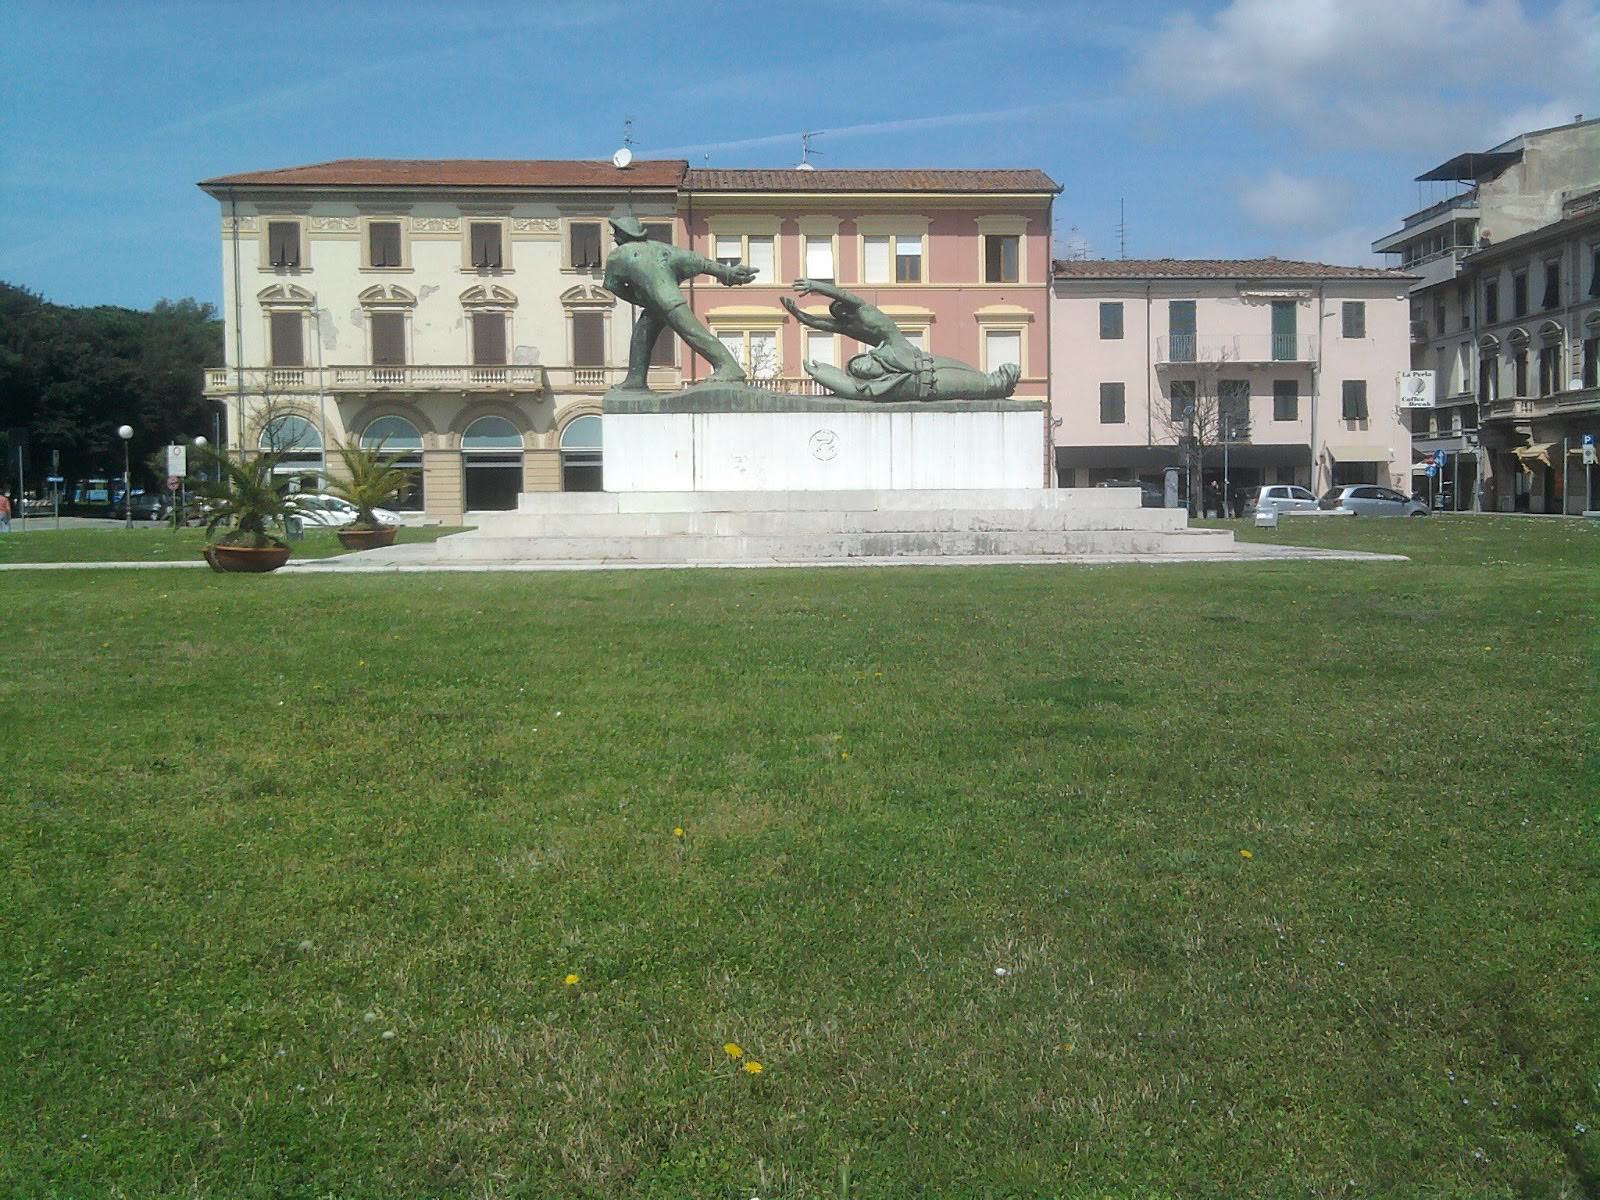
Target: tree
70,376
1203,412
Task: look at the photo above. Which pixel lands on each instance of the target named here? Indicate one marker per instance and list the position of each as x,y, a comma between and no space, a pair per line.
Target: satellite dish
622,158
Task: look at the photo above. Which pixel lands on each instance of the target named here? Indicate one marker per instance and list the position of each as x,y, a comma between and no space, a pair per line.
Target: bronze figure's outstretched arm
823,323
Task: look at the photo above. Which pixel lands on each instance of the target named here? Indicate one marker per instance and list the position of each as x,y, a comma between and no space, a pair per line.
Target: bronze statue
647,273
893,369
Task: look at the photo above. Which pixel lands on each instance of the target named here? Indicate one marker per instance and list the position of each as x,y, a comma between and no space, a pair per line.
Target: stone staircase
784,527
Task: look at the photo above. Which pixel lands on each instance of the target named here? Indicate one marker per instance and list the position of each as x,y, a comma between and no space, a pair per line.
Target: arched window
491,452
394,434
298,444
581,469
1591,348
398,438
491,433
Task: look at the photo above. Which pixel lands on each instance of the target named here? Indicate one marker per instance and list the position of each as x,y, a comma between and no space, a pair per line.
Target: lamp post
125,432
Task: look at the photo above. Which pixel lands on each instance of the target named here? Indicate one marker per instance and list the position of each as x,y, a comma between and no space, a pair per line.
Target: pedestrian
5,513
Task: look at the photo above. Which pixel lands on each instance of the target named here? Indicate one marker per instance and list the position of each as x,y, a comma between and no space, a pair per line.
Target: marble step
808,521
793,546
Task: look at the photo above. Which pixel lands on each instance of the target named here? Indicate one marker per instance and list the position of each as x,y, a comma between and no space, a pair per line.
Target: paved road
37,524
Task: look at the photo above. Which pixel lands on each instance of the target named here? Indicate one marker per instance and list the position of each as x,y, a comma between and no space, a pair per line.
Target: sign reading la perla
1416,389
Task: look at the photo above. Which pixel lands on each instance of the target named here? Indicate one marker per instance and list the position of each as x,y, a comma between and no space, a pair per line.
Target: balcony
363,378
1521,409
1178,348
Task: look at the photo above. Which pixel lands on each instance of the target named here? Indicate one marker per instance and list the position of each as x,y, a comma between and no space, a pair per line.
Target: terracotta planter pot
367,539
246,558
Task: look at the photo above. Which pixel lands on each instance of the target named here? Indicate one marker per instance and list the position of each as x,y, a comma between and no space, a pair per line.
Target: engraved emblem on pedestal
824,445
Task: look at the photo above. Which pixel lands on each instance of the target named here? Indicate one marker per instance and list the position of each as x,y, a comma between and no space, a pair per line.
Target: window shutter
486,245
388,339
1001,347
1354,400
288,341
588,339
1113,404
819,348
763,259
585,243
819,258
488,338
1354,314
383,239
1552,284
875,267
283,243
908,259
1111,320
658,231
1285,400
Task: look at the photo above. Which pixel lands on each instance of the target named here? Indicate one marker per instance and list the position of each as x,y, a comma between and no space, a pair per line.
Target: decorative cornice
339,224
436,224
536,225
242,224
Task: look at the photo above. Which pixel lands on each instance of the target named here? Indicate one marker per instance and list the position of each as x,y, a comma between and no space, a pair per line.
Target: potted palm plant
371,481
246,497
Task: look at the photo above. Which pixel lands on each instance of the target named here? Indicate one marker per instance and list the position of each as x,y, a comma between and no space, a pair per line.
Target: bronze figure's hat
628,227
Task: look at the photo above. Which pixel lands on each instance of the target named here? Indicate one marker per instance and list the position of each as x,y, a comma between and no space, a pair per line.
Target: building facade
1248,372
1529,183
453,311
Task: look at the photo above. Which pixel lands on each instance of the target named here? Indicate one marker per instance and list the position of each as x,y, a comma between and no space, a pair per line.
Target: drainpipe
238,327
1149,370
1316,380
1049,344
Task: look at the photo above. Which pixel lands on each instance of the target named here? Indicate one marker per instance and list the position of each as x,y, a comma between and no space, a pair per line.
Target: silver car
1371,500
1281,497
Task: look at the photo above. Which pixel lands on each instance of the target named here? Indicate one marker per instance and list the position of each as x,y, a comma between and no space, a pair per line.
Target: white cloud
1379,72
1292,201
1350,246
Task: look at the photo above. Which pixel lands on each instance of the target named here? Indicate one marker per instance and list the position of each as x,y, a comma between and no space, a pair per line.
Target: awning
1538,452
1421,468
1357,454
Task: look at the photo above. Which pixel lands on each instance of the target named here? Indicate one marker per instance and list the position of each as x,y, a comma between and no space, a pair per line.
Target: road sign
1438,458
174,482
177,459
1588,454
55,478
1588,439
1432,470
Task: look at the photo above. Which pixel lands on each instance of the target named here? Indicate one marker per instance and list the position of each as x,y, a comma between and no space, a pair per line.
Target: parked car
1370,500
1280,497
147,506
1150,495
318,509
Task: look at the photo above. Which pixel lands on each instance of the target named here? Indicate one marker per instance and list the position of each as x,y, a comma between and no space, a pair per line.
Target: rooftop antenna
1122,227
624,154
805,163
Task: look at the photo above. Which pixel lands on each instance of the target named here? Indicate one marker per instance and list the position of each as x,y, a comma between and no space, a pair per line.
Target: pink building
1294,366
959,258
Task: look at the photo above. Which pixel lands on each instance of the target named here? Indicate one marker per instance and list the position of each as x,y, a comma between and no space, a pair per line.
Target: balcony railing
1239,348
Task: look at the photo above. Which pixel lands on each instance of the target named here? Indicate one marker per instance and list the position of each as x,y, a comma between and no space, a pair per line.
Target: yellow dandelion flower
677,831
733,1049
844,756
753,1067
1246,855
571,980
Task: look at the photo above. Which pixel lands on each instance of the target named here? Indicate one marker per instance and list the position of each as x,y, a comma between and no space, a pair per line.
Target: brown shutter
657,232
283,243
384,241
588,339
288,344
486,245
488,338
585,244
388,339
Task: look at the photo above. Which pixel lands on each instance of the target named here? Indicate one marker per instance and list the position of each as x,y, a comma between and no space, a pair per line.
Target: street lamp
125,432
200,444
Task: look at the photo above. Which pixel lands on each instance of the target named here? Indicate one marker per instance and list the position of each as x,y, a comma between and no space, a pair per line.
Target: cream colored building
451,309
1294,365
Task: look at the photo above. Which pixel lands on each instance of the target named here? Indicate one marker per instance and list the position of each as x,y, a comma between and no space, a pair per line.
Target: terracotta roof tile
465,172
716,179
1214,268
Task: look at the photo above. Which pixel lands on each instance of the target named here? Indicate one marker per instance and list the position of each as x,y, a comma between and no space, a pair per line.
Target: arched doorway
581,469
298,443
399,439
491,465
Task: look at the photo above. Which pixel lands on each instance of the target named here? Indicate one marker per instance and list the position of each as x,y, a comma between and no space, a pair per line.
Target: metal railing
1239,347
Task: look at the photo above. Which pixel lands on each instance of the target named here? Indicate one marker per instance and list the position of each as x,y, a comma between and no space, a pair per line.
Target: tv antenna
1122,227
624,154
805,163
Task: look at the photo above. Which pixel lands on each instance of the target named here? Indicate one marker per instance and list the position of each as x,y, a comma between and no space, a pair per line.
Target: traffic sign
1438,458
177,459
173,482
1588,439
1432,470
55,478
1588,454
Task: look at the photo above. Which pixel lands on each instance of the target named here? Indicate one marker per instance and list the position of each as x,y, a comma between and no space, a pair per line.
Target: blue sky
1255,127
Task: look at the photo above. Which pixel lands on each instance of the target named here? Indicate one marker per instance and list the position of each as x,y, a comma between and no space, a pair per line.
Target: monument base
721,437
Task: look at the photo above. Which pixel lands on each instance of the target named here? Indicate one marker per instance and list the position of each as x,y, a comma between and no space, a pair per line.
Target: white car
1282,497
318,509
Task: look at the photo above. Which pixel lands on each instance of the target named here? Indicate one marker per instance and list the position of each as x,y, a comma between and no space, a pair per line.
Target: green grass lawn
161,543
1204,880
